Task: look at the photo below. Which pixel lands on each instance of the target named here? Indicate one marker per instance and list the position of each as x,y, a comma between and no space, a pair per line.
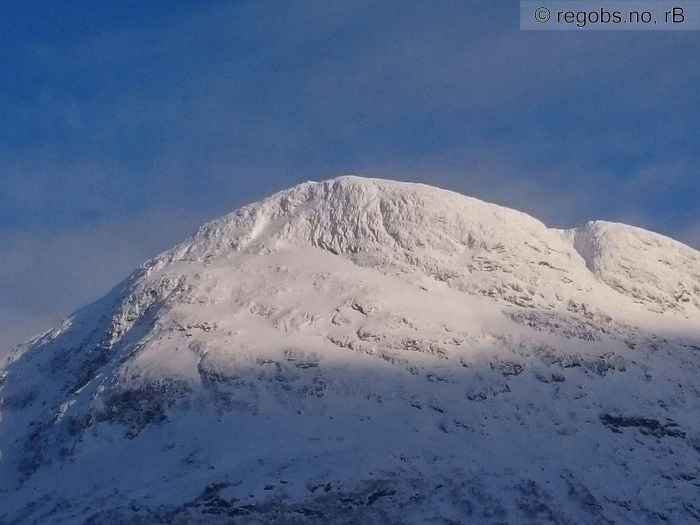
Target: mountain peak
469,244
372,350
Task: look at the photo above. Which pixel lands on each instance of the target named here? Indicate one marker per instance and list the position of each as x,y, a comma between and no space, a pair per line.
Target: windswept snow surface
369,351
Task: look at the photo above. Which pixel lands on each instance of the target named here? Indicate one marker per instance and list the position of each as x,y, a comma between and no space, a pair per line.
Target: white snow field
366,351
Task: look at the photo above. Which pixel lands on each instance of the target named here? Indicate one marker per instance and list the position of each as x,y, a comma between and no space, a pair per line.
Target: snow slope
369,351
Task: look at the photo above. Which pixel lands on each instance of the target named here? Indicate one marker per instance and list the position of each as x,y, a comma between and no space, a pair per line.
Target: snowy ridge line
448,236
365,351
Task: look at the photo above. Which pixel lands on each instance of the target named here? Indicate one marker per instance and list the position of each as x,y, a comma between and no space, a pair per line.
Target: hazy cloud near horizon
128,125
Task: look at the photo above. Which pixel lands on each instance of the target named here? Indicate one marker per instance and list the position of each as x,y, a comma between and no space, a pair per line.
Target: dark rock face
646,426
375,502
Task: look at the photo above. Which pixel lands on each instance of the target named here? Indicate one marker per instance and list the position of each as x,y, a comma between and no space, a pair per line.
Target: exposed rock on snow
360,350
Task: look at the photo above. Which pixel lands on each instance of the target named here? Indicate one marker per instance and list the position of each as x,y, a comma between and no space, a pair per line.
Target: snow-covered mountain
367,351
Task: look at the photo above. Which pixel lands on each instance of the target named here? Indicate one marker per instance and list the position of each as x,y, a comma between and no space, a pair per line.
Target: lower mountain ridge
367,351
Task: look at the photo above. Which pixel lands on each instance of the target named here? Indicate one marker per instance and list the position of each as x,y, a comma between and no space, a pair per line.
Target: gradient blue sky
126,125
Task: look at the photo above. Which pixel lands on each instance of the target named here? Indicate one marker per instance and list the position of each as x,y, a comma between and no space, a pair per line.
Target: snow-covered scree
368,351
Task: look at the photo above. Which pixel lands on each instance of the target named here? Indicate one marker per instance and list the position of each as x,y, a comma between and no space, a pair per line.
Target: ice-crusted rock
361,350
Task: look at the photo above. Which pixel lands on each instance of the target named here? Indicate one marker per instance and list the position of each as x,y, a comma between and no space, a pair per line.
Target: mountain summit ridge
362,350
352,215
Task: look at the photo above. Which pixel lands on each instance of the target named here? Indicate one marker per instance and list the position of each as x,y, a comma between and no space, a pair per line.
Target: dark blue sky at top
127,123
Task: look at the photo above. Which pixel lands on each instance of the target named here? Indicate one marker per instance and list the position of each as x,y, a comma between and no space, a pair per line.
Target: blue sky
126,125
